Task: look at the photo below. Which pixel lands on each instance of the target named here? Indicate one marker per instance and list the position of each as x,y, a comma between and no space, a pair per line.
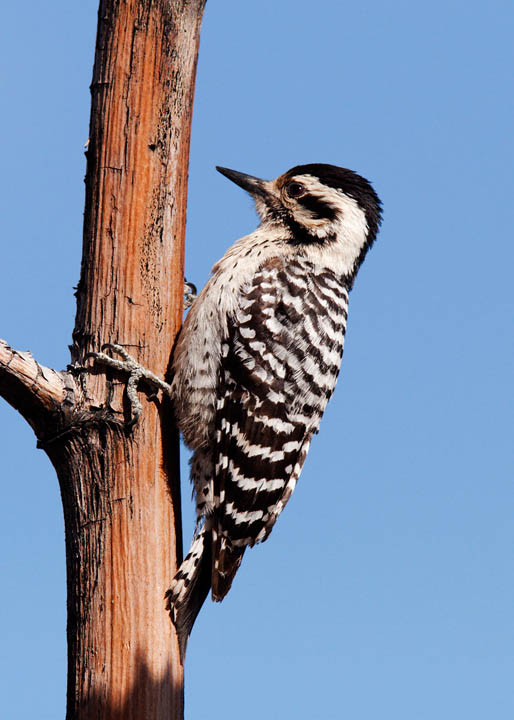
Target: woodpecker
256,362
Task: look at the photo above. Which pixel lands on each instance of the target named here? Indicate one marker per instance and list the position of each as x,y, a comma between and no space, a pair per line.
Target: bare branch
32,389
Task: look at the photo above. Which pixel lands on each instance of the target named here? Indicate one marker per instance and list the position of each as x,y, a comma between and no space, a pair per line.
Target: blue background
386,588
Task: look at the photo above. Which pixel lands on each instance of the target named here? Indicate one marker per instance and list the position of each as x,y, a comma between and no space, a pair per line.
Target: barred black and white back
257,361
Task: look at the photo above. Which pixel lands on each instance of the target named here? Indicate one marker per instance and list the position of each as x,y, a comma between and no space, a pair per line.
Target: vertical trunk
120,489
123,661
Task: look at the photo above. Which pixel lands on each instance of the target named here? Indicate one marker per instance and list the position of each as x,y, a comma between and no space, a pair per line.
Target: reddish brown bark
120,488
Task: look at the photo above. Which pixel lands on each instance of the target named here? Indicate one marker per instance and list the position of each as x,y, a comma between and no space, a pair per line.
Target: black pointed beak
253,185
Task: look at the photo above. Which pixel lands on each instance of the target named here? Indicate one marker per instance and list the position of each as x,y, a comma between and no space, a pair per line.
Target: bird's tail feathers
226,559
190,587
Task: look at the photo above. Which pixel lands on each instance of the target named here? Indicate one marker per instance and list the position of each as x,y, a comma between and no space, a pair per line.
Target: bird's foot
136,374
189,294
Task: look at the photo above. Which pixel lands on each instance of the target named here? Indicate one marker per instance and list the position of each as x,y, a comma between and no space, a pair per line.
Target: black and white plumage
257,361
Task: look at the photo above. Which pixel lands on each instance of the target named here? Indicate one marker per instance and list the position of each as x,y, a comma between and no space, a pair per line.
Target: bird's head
318,205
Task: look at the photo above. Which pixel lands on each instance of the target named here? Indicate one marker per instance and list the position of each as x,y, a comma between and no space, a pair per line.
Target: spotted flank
201,477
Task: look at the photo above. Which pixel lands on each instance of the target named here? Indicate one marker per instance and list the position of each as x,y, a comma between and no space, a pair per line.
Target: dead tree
120,485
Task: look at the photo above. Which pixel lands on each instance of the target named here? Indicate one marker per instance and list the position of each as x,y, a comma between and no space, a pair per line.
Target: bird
256,362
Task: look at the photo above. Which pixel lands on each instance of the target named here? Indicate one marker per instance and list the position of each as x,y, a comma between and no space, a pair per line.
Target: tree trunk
120,486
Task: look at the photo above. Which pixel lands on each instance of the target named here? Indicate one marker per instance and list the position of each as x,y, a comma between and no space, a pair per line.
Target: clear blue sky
386,589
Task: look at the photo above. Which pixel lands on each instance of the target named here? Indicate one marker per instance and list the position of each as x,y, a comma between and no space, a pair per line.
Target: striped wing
279,368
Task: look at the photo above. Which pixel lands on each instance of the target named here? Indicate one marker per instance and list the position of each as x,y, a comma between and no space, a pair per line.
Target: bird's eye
295,189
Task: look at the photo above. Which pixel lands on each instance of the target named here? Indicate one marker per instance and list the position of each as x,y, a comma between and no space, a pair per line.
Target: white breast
197,355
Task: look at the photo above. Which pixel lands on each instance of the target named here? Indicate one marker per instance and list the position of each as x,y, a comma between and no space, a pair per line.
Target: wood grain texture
34,390
122,499
120,487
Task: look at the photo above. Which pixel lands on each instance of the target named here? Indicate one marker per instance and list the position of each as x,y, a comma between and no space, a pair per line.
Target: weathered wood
120,488
34,390
120,511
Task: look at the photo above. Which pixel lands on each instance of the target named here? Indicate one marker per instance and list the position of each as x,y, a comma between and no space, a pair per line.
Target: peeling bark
120,488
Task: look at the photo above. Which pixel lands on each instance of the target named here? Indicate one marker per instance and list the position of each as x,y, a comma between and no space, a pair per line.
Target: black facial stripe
301,236
321,210
351,184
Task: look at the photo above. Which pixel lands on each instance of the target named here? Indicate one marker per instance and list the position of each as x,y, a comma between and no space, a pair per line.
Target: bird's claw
189,294
136,373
